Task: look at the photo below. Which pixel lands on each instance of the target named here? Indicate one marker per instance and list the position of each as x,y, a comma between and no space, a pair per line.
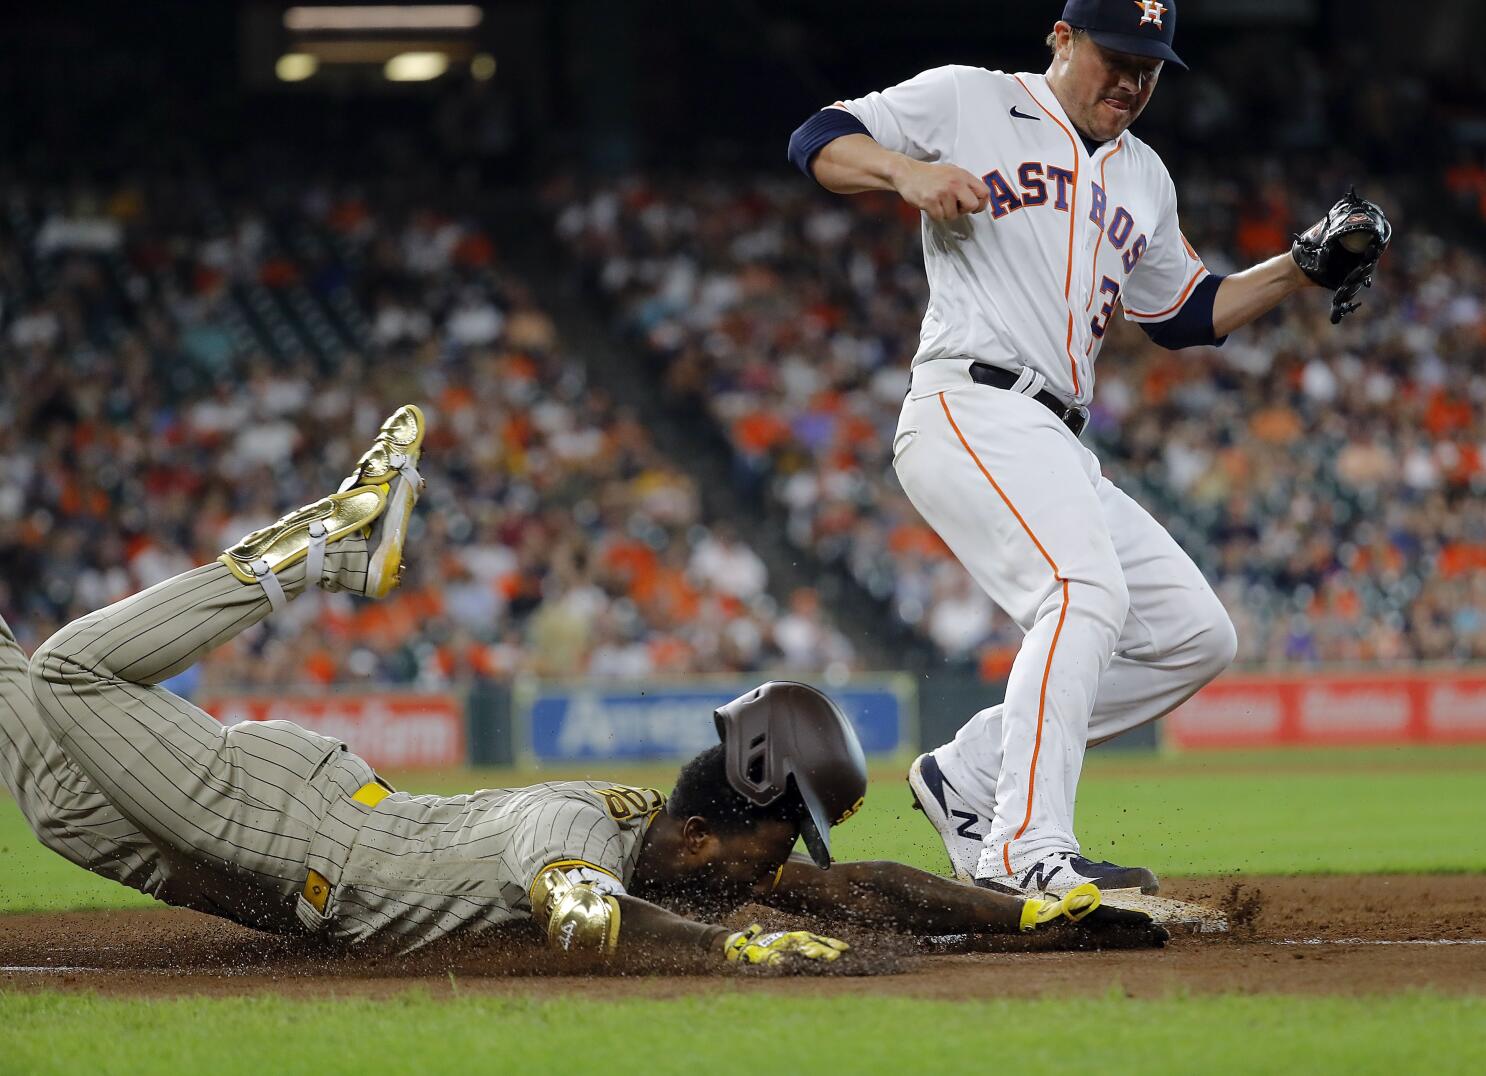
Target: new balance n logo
1038,877
968,820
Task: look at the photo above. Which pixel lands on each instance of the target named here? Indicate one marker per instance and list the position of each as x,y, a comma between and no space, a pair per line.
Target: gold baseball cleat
376,501
400,439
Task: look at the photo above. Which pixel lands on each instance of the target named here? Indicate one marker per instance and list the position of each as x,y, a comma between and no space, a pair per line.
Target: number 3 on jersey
1111,288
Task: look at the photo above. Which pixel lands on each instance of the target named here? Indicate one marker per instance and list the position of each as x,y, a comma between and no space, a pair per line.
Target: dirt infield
1312,935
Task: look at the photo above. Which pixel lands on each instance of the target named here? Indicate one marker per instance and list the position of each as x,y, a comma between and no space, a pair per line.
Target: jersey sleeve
918,118
1164,278
572,831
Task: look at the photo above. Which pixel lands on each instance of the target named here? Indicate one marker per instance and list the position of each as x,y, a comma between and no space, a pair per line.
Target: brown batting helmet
784,735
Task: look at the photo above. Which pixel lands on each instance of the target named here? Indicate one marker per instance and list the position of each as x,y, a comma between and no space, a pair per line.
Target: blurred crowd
1328,479
183,357
177,369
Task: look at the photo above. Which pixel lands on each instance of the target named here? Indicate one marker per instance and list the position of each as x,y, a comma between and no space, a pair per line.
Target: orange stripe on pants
1051,650
1037,744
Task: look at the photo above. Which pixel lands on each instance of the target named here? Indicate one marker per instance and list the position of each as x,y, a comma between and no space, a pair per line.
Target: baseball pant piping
1005,485
1176,639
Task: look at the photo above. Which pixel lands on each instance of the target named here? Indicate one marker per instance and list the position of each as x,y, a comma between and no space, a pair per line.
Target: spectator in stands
129,427
1329,483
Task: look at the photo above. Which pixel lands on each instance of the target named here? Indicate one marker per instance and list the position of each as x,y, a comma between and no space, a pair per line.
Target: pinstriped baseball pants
64,806
135,783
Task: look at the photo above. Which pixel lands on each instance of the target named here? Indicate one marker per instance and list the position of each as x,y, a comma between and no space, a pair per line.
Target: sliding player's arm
899,897
583,910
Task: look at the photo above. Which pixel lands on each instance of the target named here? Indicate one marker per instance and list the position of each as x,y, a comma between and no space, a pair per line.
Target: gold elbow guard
579,918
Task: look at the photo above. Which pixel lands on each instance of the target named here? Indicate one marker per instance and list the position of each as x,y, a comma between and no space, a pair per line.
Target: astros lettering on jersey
1087,230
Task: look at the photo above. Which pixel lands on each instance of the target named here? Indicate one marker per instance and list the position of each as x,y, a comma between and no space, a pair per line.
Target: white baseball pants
1120,625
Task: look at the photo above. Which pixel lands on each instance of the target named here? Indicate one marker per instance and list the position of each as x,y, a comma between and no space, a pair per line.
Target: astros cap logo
1151,11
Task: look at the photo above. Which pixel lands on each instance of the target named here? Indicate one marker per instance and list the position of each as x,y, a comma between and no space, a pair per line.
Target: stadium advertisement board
576,721
391,731
1326,710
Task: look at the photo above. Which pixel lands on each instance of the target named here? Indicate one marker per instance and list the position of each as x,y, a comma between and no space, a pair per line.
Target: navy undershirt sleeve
1192,325
810,137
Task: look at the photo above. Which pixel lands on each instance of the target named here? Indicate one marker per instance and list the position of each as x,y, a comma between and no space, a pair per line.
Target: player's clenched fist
1085,906
1074,905
943,191
753,946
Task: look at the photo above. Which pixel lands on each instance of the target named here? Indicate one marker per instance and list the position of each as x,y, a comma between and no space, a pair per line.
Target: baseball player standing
280,828
1041,214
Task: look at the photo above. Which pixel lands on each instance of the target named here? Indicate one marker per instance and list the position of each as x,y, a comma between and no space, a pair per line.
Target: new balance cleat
959,825
1063,872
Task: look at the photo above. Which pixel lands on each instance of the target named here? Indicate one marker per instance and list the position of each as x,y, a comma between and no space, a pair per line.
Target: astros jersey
1033,280
426,866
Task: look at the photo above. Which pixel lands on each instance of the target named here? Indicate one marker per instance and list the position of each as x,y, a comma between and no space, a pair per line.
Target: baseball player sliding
279,828
1041,215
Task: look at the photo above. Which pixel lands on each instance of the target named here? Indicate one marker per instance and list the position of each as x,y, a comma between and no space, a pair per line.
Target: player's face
734,866
749,860
1108,89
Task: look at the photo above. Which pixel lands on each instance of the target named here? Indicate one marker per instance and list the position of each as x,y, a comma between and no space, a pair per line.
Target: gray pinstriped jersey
423,867
128,780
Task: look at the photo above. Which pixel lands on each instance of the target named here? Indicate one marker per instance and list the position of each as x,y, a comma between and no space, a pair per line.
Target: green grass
36,879
1377,811
736,1032
1364,811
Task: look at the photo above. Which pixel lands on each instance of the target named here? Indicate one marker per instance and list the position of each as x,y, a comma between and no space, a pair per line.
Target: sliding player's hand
1083,908
753,946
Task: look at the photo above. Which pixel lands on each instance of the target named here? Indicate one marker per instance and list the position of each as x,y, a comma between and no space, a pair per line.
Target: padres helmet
784,735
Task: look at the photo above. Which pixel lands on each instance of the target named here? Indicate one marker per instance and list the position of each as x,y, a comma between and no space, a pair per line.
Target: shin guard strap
314,555
270,584
405,466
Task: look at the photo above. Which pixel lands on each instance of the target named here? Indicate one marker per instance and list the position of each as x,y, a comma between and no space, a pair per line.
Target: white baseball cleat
1061,872
960,826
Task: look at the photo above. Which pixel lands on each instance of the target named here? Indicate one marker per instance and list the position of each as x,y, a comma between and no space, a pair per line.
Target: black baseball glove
1342,249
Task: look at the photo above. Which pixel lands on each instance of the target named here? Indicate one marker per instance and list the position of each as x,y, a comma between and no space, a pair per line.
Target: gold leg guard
303,534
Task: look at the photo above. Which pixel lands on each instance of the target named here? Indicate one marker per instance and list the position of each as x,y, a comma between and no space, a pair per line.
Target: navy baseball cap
1141,27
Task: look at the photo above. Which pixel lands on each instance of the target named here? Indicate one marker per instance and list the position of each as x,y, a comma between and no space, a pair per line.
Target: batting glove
1073,905
753,946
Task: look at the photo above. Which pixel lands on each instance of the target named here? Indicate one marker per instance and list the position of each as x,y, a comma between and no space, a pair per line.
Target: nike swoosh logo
1022,115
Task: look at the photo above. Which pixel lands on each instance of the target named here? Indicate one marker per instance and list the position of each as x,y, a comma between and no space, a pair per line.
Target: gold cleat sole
401,435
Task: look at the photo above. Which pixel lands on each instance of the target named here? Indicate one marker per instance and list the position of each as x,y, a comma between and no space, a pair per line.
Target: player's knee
53,665
1217,642
1119,600
44,664
1104,600
1112,597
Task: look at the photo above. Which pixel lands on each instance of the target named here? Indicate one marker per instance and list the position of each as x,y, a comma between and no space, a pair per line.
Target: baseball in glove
1341,250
